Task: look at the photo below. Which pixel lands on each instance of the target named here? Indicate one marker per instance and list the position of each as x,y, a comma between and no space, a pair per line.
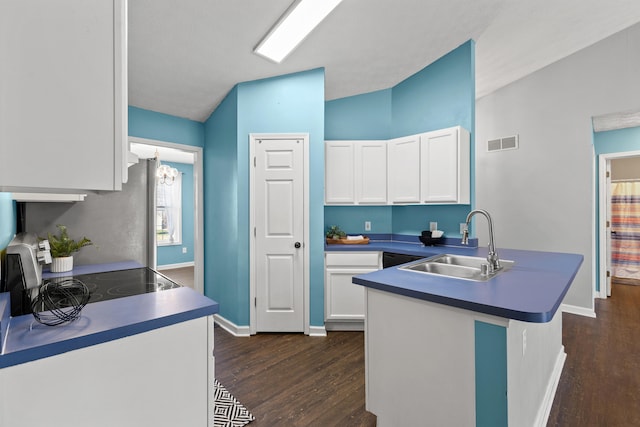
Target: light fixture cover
299,20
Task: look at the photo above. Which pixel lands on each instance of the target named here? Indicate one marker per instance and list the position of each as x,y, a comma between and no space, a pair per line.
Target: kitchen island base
162,377
433,364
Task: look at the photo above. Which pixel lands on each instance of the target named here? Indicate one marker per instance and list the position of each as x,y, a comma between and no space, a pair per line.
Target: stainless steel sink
458,266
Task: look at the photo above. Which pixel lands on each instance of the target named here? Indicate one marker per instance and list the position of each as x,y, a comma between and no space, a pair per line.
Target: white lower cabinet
344,301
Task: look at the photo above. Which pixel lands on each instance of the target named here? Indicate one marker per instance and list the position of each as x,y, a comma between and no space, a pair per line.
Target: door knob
297,245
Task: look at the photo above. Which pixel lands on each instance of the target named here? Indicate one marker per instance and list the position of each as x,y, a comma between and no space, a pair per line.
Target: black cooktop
123,283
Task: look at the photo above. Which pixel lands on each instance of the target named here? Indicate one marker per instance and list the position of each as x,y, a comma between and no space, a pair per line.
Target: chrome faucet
492,256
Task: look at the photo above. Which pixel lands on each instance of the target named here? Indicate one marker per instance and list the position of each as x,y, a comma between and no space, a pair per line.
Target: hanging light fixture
164,173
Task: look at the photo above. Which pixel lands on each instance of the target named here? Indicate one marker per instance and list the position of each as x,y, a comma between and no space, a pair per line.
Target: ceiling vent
506,143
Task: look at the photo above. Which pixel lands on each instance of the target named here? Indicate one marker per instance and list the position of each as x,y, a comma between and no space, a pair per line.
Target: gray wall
541,196
116,221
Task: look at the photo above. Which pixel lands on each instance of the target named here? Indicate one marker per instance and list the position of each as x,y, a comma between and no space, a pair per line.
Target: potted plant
62,249
334,233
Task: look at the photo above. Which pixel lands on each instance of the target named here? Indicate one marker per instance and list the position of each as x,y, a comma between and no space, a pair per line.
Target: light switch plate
367,226
433,226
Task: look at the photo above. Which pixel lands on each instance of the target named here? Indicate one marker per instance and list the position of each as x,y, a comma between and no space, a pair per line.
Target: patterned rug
229,412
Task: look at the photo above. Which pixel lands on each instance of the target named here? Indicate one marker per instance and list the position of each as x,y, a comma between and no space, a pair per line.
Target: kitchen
535,227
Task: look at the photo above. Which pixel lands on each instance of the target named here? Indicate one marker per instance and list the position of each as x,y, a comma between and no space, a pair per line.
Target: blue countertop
531,291
24,340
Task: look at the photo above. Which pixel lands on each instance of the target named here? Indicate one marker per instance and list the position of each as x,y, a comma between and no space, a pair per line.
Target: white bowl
437,233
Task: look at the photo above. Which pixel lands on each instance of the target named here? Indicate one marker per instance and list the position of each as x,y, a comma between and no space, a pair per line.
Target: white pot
60,265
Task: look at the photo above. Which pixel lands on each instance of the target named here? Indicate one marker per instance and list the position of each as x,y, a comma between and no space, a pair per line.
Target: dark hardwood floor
295,380
600,382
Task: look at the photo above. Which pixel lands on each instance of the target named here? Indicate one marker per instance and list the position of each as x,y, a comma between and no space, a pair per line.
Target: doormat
228,411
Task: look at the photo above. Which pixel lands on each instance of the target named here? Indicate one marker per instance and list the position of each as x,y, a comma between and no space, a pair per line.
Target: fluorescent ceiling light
299,20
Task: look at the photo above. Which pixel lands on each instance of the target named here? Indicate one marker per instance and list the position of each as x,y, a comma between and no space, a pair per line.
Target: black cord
59,301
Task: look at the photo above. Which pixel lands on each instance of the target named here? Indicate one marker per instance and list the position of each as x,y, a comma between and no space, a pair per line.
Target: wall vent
506,143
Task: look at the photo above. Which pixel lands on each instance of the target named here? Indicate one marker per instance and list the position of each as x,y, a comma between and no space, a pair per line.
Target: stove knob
44,245
44,257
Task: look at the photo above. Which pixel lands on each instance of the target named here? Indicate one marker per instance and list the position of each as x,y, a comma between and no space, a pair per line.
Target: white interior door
609,229
279,231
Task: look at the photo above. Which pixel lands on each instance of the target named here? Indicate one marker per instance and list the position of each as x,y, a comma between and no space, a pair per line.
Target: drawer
352,259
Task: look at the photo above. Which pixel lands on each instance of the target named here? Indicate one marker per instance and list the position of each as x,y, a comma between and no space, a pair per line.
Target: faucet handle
465,237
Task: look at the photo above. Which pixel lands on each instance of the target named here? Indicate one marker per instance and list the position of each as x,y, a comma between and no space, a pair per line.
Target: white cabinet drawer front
360,259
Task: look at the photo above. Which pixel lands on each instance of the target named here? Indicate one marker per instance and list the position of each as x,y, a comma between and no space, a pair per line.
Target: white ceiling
185,56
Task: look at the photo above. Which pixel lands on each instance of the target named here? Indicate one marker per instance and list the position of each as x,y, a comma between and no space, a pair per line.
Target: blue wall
172,254
491,375
163,127
613,141
221,193
7,220
351,218
439,96
366,116
286,104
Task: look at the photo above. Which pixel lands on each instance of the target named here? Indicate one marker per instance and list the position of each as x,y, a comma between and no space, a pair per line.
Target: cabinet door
339,175
404,169
63,107
344,300
371,172
445,166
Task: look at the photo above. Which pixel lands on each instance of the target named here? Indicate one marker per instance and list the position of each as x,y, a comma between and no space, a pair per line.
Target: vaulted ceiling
185,56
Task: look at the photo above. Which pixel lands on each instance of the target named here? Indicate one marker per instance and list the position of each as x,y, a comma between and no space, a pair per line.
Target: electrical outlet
524,342
433,226
184,250
367,226
463,226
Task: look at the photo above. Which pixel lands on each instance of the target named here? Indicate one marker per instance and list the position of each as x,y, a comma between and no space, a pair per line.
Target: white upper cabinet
355,172
404,170
339,160
445,166
428,168
371,172
63,108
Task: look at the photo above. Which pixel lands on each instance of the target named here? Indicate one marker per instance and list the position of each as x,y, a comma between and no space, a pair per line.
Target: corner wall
439,96
292,103
541,196
221,240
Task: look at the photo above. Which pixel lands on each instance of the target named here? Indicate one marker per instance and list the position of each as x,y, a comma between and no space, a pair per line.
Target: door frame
198,220
253,138
604,248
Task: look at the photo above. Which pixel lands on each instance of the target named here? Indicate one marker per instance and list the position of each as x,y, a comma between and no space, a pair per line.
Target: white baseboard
581,311
317,331
545,408
232,328
174,266
344,326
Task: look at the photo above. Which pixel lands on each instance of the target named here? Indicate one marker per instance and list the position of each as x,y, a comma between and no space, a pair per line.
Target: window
169,211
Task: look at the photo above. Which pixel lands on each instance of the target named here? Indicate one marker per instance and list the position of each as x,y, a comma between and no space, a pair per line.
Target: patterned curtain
625,238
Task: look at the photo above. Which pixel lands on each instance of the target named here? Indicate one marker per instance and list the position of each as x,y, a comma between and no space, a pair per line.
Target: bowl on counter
430,238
